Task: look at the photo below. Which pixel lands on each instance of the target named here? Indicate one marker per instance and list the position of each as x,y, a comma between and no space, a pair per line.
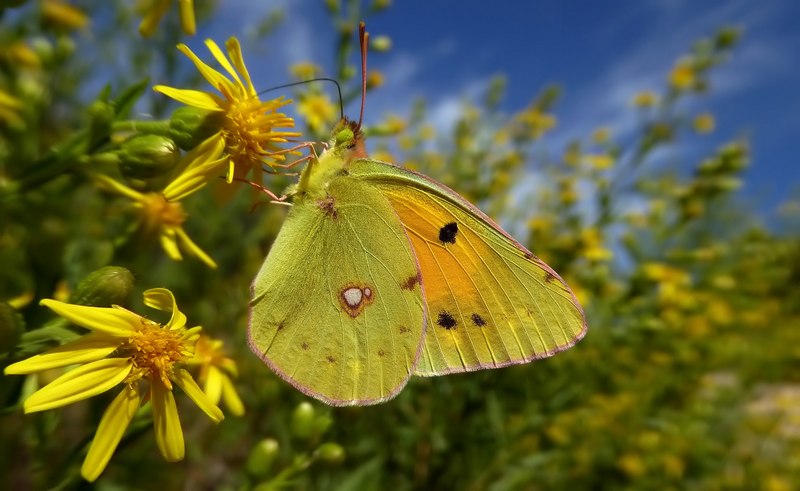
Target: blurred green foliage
688,377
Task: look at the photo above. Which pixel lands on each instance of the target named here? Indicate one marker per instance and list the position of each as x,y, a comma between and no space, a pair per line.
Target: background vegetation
688,377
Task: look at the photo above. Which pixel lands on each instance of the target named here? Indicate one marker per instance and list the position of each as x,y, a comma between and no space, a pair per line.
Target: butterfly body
380,273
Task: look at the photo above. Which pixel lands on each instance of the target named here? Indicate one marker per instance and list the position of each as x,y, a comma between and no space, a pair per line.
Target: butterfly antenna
319,79
363,38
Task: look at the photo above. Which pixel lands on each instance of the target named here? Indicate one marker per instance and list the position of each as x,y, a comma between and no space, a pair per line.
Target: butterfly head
347,141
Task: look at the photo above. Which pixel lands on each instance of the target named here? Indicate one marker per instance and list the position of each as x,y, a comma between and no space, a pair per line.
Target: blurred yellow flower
318,110
10,108
154,11
645,98
21,54
374,79
58,13
123,348
216,371
601,135
599,161
536,122
305,70
704,123
248,131
162,213
683,76
632,465
593,247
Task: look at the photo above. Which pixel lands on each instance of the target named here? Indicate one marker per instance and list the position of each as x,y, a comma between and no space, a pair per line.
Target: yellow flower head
10,109
155,10
162,213
704,123
123,348
249,123
216,371
645,98
683,76
318,110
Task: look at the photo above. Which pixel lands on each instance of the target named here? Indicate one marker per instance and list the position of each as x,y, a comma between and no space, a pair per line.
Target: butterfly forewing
490,302
336,309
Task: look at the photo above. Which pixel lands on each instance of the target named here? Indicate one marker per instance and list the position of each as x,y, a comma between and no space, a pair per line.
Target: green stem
149,127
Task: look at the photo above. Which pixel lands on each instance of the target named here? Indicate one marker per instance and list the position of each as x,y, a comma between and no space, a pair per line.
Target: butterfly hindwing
490,302
331,309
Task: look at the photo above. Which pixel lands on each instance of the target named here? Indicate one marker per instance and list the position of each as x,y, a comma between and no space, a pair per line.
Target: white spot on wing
367,292
353,296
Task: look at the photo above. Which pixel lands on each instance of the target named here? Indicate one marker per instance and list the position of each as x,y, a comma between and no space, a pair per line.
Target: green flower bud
381,44
146,156
101,115
330,453
190,126
261,457
11,327
302,424
109,285
727,37
333,6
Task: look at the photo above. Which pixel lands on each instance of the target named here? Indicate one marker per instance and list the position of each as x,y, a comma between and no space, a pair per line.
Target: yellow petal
187,383
113,321
163,299
190,97
215,78
220,57
206,151
119,188
193,179
83,382
231,171
113,424
167,424
235,52
152,17
193,249
213,385
186,11
170,245
92,347
231,397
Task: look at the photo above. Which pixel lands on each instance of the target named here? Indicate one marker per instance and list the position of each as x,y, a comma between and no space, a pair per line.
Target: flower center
157,212
154,350
249,131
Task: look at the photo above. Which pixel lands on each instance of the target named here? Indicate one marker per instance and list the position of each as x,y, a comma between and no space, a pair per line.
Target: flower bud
101,115
146,156
109,285
302,424
261,457
190,126
381,44
330,453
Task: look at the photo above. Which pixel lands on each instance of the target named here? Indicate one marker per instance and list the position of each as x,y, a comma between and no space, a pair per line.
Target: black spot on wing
549,277
305,346
446,320
478,320
447,234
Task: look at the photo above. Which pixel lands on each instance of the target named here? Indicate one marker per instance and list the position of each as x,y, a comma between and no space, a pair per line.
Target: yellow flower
682,76
375,79
162,213
247,131
704,123
123,348
305,70
601,135
63,15
645,98
600,161
216,371
593,248
10,108
536,122
155,10
318,110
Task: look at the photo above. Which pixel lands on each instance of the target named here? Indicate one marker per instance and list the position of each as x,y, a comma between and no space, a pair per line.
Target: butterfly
380,273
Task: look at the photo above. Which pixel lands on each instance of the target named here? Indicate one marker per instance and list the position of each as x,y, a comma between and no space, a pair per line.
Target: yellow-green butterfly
380,273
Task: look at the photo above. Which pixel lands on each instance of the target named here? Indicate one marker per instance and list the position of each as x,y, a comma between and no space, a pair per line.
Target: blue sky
601,53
